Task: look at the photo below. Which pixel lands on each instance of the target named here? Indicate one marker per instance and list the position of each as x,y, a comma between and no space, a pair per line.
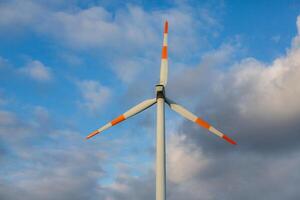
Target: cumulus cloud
37,71
96,26
182,155
186,81
119,35
94,94
59,181
127,70
7,118
15,15
62,169
81,28
269,90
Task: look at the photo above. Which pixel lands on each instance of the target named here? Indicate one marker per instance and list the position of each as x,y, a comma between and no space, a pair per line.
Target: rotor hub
160,91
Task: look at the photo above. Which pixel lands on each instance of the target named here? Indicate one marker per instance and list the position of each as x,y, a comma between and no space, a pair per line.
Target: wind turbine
160,123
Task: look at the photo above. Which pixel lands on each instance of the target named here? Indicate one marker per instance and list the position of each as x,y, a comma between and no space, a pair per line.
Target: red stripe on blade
202,123
92,134
117,120
164,53
225,137
166,27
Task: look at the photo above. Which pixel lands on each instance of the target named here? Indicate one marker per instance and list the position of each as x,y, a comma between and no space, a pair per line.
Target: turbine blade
190,116
164,58
131,112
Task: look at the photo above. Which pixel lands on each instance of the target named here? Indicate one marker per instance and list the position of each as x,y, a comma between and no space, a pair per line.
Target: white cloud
131,28
191,82
18,14
120,34
268,90
7,118
184,160
37,71
94,95
43,173
128,69
41,112
90,27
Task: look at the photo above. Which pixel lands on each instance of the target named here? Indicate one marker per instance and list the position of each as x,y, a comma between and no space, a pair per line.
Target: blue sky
68,67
